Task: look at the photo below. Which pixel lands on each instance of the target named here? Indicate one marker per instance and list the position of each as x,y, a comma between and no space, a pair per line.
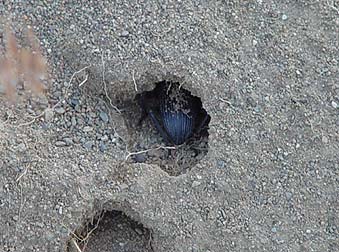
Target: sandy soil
268,179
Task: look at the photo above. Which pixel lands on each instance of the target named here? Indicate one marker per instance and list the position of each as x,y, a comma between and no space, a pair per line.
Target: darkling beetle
175,112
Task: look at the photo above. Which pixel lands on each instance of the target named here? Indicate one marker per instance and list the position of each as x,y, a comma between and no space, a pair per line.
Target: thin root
135,83
105,86
144,151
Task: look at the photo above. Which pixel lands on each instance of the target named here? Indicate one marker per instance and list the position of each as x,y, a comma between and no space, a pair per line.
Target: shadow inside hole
112,231
175,141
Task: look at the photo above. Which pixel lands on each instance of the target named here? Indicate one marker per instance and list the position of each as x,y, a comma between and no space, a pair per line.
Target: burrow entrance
111,231
168,127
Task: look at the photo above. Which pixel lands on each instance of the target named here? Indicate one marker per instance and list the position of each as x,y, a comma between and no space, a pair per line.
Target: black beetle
175,112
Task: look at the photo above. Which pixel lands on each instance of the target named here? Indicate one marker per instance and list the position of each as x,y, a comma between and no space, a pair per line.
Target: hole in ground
111,231
169,115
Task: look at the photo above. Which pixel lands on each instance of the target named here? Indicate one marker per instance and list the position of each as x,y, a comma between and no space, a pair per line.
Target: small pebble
18,169
123,186
102,146
284,17
77,108
44,126
60,143
196,183
257,109
60,110
76,140
73,121
49,113
92,115
21,147
124,33
221,163
324,139
39,224
57,94
288,195
87,129
113,139
103,116
68,141
104,138
74,102
334,104
88,145
31,111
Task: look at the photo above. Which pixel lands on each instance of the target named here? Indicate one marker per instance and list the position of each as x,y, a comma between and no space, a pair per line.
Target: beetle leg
142,118
161,130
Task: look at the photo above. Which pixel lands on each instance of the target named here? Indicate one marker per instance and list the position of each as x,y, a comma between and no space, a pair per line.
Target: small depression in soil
112,231
150,146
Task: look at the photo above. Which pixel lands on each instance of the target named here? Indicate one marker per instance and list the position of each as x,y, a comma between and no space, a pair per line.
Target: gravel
266,179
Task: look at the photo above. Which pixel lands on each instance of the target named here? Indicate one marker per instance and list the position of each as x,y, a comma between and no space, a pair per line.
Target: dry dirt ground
267,73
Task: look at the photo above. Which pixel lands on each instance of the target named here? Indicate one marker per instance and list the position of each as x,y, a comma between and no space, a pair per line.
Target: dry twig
145,151
105,85
226,101
75,244
84,240
135,83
